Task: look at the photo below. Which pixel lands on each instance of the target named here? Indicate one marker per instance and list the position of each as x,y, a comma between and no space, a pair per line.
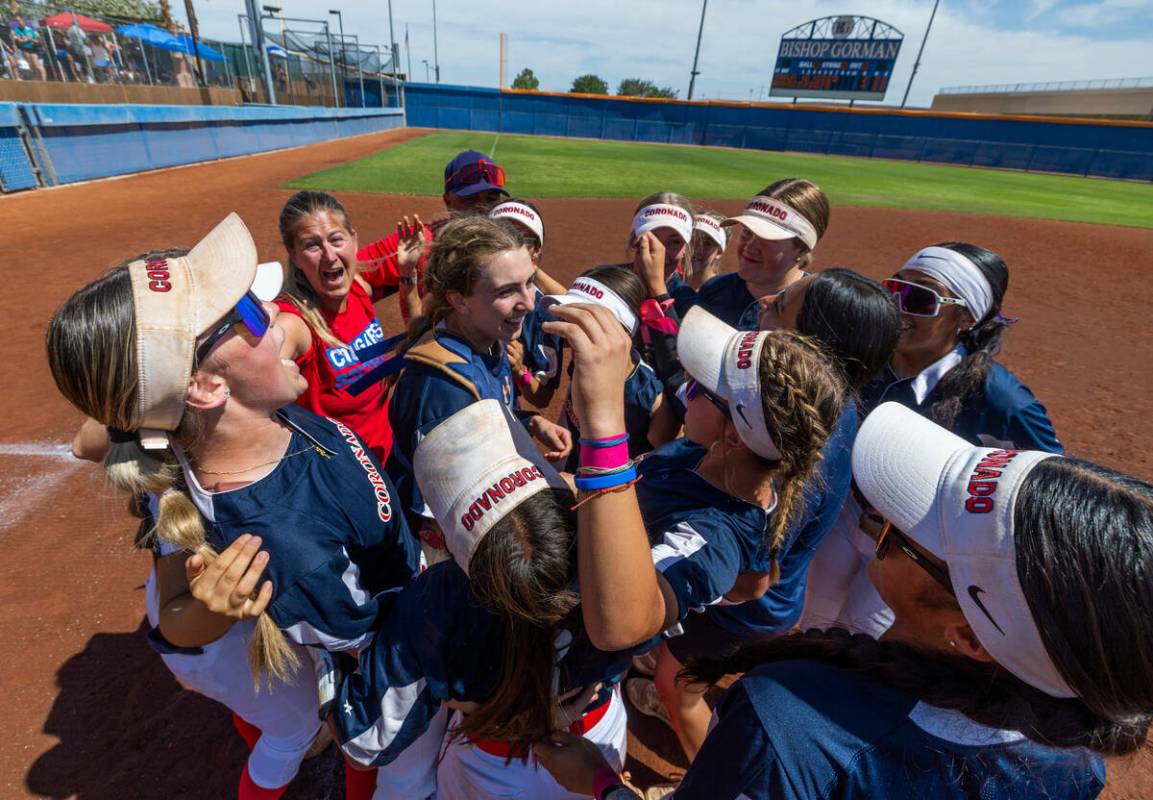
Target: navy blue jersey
542,351
328,519
1004,414
642,388
780,607
426,395
702,538
802,730
727,298
436,642
684,296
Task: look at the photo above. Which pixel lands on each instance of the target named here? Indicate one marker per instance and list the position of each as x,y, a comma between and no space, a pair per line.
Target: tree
525,80
635,87
590,84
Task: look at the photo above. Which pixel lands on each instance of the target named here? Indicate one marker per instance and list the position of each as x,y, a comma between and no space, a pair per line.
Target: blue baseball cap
472,172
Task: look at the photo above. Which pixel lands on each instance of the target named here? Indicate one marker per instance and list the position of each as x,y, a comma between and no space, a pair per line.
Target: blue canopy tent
206,52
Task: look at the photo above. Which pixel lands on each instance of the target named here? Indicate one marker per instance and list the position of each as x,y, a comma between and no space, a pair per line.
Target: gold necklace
265,464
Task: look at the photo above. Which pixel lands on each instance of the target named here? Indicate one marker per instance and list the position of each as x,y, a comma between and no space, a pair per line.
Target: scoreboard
835,68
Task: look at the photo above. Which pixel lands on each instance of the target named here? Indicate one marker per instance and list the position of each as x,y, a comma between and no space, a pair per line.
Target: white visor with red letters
473,470
586,290
663,215
725,361
519,212
957,501
771,219
176,300
711,228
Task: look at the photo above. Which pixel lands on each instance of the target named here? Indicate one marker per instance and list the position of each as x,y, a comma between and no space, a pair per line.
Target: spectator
26,39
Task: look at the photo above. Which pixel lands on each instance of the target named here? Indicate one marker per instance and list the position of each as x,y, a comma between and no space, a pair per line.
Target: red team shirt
337,384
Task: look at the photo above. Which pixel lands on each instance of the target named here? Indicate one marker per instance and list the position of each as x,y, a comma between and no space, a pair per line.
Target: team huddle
823,484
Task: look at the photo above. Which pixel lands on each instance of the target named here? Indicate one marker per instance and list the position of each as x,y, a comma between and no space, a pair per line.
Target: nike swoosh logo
973,592
741,410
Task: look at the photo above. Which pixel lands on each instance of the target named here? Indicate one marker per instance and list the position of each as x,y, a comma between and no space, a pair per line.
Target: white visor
959,274
177,299
725,361
771,219
586,290
472,471
519,212
957,501
663,215
711,228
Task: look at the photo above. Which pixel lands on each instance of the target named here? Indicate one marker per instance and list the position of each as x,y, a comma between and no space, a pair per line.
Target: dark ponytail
983,692
524,570
1084,544
982,341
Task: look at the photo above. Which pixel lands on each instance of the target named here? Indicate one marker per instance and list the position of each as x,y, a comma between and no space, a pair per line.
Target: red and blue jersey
346,382
330,522
803,730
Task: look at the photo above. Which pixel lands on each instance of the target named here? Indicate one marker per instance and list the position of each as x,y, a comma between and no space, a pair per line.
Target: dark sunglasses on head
694,389
249,312
918,301
892,535
478,172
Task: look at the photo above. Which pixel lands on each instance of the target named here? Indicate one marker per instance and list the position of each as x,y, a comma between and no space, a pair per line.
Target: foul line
22,496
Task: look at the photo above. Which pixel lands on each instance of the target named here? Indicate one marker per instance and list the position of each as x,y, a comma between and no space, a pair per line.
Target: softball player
779,230
708,249
330,325
661,243
619,290
473,183
535,357
307,487
950,298
497,631
480,290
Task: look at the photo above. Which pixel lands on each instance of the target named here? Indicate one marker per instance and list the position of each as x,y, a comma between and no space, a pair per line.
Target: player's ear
456,301
733,440
206,391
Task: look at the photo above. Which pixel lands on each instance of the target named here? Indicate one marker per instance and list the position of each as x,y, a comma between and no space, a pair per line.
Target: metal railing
1052,86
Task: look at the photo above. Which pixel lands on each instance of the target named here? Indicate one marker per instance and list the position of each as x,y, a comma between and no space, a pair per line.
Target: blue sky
972,42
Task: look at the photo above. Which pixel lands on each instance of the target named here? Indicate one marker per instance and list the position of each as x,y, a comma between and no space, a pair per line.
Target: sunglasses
693,390
918,301
478,172
892,535
249,312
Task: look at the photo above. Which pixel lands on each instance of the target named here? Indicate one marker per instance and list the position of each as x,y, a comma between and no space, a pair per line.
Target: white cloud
654,39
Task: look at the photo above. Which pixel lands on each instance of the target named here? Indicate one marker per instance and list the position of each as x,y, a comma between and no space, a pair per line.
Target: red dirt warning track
92,713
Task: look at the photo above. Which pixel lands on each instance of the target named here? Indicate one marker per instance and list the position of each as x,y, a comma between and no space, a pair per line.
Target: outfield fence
45,145
1103,149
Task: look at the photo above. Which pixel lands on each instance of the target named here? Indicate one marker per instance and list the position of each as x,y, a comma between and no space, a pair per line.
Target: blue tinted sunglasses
249,311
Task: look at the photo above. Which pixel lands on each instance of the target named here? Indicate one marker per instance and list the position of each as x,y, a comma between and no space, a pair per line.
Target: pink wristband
525,377
611,457
605,779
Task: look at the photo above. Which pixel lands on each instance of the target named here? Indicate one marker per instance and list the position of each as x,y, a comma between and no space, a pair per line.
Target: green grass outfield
548,167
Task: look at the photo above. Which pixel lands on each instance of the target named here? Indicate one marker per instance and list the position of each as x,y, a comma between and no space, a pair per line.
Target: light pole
393,49
917,63
258,40
435,51
427,79
343,51
696,56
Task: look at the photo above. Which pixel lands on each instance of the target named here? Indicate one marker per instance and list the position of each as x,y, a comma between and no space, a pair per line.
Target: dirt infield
92,713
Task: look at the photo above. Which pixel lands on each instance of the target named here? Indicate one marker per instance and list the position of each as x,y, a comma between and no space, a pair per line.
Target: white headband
711,228
586,290
957,501
771,219
725,360
663,215
473,470
959,274
521,213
